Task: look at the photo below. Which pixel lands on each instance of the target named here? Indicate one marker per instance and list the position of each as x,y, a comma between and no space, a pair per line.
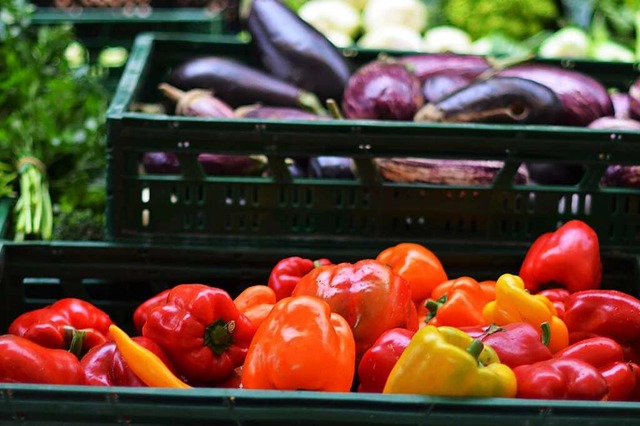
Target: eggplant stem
334,109
498,65
171,92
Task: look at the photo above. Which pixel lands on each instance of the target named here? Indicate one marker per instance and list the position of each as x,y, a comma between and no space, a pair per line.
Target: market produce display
545,333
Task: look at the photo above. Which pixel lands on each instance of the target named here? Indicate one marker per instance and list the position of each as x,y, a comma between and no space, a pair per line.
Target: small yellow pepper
144,363
515,304
445,361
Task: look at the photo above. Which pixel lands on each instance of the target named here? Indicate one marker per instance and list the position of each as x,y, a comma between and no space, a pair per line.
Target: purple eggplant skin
555,174
621,176
614,123
634,100
621,104
497,100
238,84
275,113
330,167
427,65
382,90
294,51
160,163
583,98
439,86
232,165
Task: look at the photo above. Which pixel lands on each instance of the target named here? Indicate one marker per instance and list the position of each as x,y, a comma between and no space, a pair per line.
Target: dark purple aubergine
196,103
382,90
439,86
621,104
329,167
427,65
614,123
634,100
294,51
160,163
583,98
497,100
275,113
621,176
238,84
232,165
555,174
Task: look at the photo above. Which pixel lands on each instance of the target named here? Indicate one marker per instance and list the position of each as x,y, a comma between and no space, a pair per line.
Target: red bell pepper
607,356
459,303
608,313
368,294
288,271
104,365
557,296
54,326
560,378
418,265
201,331
142,311
568,257
378,361
516,344
24,361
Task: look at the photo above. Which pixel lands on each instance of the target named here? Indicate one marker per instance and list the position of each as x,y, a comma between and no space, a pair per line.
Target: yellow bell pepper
445,361
514,303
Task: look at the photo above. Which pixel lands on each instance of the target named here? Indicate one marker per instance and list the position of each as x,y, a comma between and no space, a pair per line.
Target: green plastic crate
102,28
118,276
193,208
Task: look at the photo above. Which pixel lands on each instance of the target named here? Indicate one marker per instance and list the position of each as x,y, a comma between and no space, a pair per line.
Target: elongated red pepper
142,311
568,257
557,296
105,366
201,331
560,378
288,271
24,361
607,356
378,361
53,326
608,313
517,344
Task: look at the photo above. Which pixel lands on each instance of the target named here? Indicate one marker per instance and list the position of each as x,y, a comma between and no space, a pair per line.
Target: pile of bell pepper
396,324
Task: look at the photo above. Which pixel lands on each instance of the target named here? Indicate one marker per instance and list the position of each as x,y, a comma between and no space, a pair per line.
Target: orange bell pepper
459,303
418,265
255,303
301,345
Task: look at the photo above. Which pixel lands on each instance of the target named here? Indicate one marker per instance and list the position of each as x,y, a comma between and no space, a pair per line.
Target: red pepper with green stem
288,271
201,331
568,257
518,343
24,361
378,361
54,326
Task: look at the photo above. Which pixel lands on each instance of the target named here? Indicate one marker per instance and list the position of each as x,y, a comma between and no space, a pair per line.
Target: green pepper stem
77,341
546,333
218,336
475,348
433,306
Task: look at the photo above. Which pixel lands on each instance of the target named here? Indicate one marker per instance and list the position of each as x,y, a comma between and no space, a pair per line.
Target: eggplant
331,167
583,98
427,65
238,84
232,165
621,105
294,51
275,113
614,123
160,163
621,176
497,100
634,100
440,86
444,172
555,174
382,90
196,103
